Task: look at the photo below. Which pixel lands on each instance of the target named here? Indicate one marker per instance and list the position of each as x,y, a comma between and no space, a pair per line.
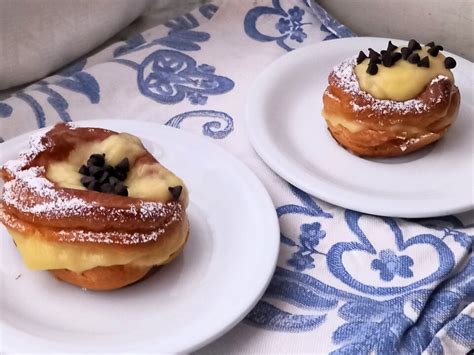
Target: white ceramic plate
289,133
223,271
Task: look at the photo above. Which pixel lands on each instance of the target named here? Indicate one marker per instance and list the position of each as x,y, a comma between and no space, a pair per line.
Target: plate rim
257,139
251,179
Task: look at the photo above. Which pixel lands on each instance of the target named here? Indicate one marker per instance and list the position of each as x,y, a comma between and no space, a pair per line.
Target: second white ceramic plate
288,132
224,269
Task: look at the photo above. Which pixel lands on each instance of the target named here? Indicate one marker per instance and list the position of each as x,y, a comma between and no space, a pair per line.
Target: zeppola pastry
391,103
93,206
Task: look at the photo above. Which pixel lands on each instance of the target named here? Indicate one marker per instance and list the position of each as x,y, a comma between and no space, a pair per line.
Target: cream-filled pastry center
145,181
403,80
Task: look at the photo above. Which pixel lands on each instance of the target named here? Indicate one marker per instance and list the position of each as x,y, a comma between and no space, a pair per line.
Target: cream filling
403,80
39,254
351,126
149,181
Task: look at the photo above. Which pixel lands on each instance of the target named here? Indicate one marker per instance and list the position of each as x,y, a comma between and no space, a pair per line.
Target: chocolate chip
431,44
372,69
84,170
374,56
107,188
449,63
175,191
424,63
94,186
406,52
121,190
95,171
96,160
414,58
124,165
387,60
435,50
86,180
110,169
361,57
114,181
396,56
391,47
121,175
104,177
413,45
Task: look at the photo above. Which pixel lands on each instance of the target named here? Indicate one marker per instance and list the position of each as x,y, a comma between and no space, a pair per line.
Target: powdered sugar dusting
109,237
347,81
30,192
82,236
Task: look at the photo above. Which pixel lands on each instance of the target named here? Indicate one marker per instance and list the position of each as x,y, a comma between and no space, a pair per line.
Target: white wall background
447,22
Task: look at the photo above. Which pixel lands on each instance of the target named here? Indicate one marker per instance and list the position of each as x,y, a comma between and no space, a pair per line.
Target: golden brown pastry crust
387,128
103,278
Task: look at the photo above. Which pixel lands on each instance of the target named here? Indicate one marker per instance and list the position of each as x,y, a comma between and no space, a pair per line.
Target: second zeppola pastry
391,103
93,207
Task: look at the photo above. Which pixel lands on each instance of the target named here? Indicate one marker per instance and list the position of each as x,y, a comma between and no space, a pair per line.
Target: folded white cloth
38,37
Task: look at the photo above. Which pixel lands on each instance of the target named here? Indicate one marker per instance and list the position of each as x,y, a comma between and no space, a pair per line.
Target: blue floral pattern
71,78
169,77
292,25
366,318
390,265
5,110
364,246
181,35
310,236
289,24
211,129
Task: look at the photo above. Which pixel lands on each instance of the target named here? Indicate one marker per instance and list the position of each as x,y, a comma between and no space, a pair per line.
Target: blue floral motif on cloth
370,325
292,25
71,78
310,236
450,226
130,44
364,246
461,330
169,77
289,24
208,10
211,129
5,110
181,35
391,265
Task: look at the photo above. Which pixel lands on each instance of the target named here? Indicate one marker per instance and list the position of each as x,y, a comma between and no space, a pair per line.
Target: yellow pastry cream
39,254
146,181
403,80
